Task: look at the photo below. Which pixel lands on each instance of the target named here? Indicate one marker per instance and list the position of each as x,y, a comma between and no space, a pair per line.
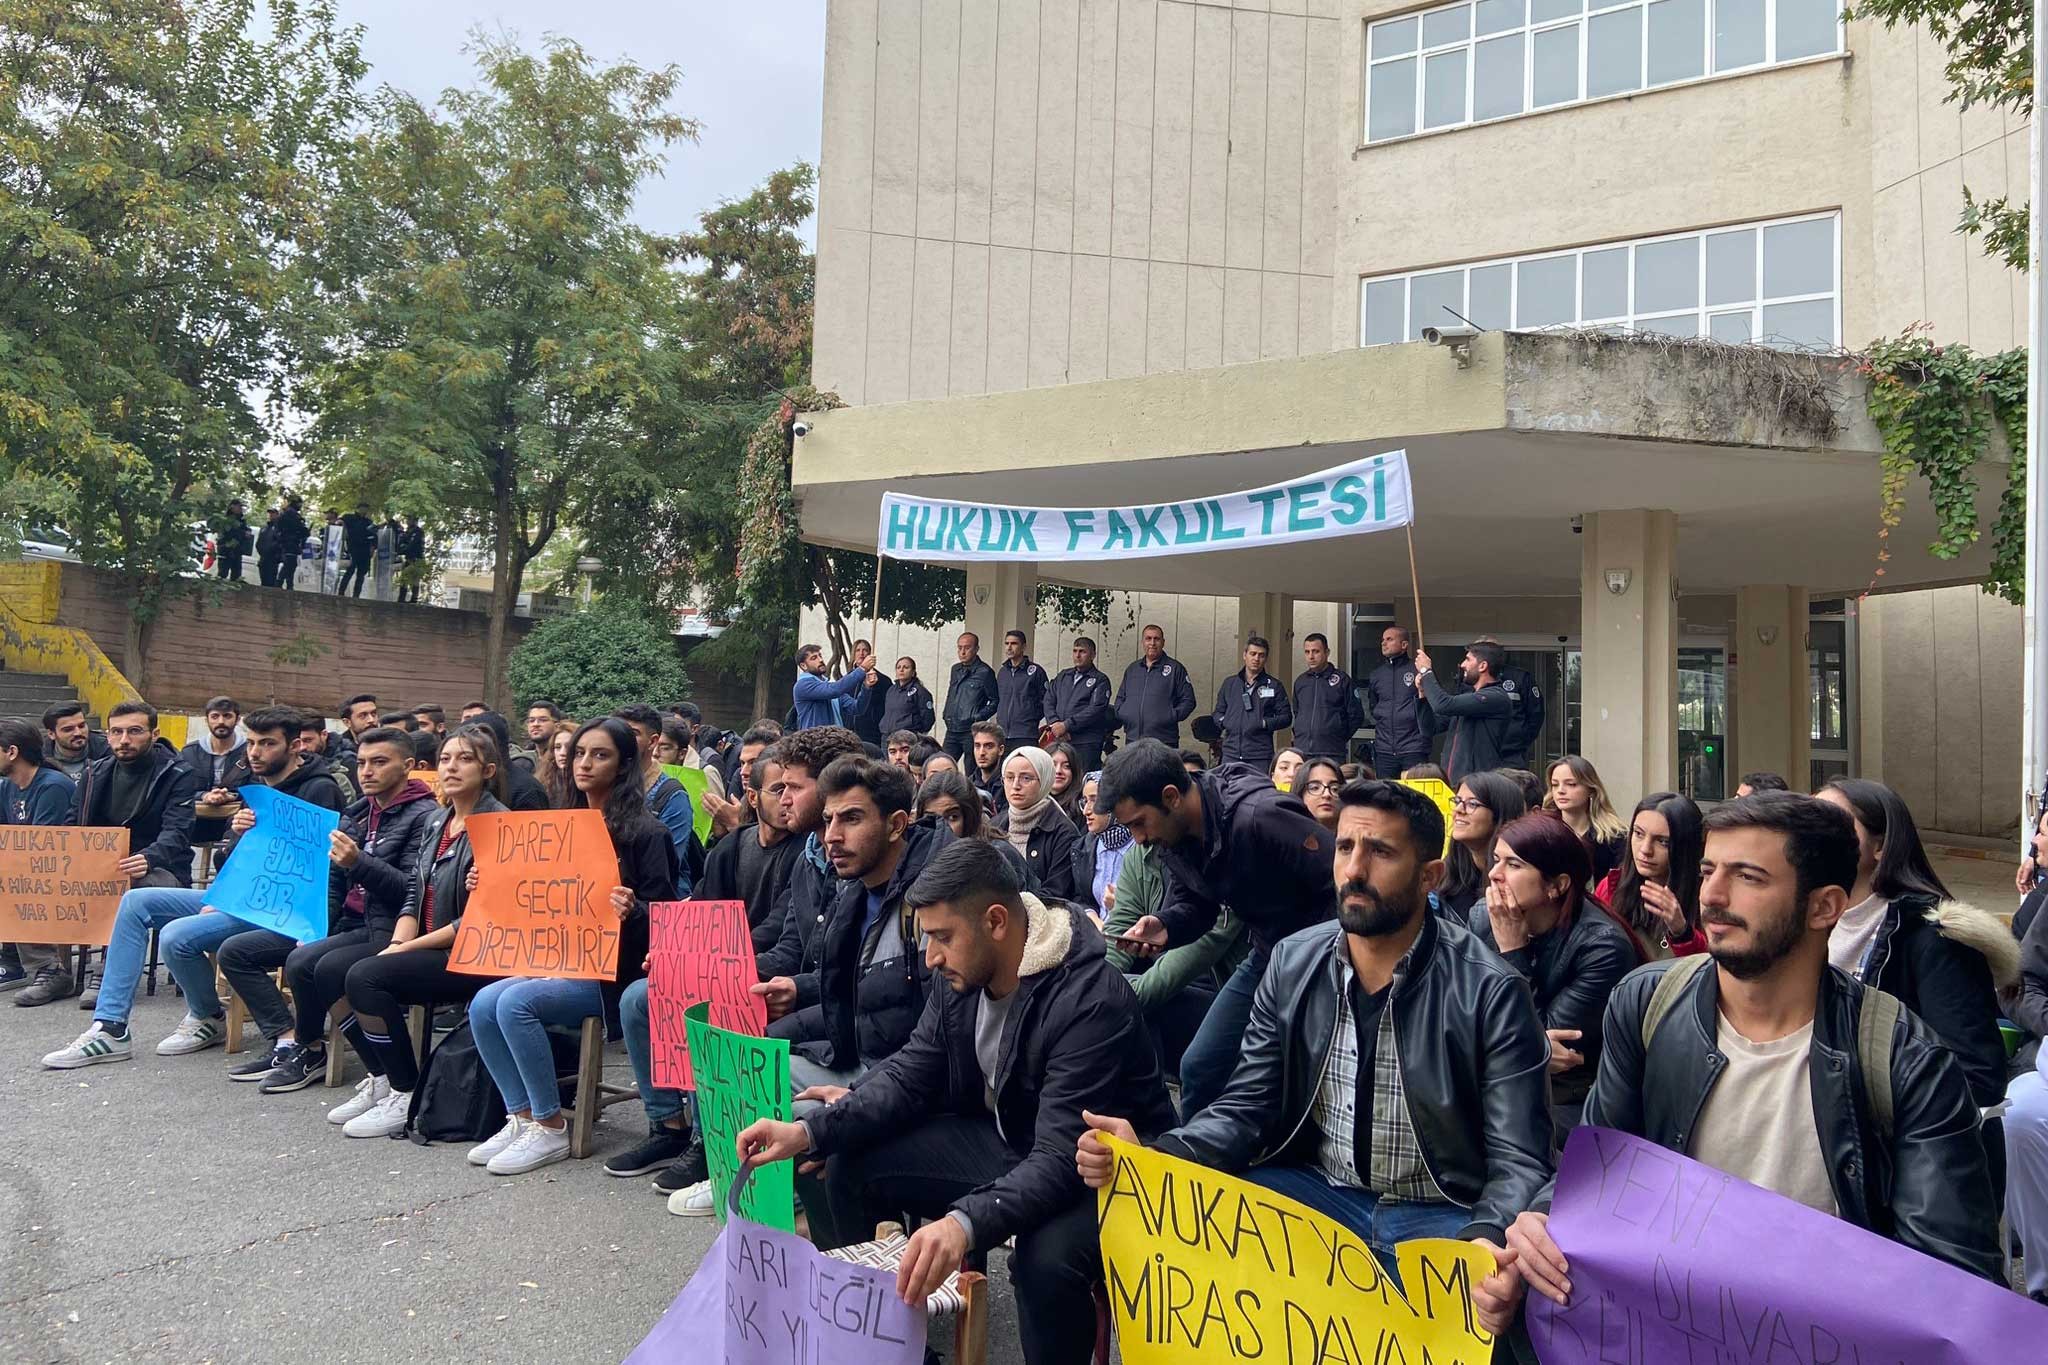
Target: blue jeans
661,1105
1379,1226
1213,1052
510,1019
182,939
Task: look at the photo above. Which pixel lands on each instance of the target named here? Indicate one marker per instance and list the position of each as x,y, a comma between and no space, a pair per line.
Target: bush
609,653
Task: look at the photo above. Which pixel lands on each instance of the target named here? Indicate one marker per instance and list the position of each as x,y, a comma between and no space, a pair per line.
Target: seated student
1655,890
667,799
1100,855
2026,1117
927,758
753,863
368,877
898,747
189,928
813,887
1485,804
1753,1064
1285,765
412,969
1317,784
1425,772
985,762
1066,781
947,797
730,812
1578,797
1752,783
523,791
34,793
972,1122
1904,934
1034,824
1393,1069
510,1018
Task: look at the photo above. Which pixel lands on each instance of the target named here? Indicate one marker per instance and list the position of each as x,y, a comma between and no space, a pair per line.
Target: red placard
698,951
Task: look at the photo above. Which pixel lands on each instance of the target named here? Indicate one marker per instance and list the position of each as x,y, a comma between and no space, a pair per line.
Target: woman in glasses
1483,804
1100,857
1035,825
1317,784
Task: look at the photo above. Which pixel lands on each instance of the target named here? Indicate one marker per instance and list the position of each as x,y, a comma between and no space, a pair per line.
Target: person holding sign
510,1018
1764,1061
32,793
1481,722
1392,1076
970,1121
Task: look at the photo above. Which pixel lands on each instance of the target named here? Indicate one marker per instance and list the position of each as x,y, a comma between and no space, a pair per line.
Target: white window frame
1702,312
1528,29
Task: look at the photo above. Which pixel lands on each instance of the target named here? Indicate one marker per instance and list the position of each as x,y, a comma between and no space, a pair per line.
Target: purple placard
1673,1261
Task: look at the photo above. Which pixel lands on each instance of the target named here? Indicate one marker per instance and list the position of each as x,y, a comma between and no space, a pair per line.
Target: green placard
696,784
741,1079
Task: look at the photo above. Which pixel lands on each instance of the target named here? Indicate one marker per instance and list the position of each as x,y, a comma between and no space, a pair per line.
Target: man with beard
1749,1060
218,764
1393,1071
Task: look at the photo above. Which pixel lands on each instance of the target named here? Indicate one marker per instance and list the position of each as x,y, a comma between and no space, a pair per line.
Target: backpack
456,1100
659,795
1876,1016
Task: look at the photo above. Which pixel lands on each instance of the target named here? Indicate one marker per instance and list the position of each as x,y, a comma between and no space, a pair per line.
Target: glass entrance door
1703,724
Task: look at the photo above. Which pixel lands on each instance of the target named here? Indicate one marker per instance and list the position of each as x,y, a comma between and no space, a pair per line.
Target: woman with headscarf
1100,856
1035,825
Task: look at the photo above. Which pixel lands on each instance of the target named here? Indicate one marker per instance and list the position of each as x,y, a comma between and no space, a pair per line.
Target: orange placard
58,883
430,776
542,904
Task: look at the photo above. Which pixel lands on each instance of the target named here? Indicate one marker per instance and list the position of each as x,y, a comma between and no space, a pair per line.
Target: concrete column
1001,597
1270,614
1629,628
1773,724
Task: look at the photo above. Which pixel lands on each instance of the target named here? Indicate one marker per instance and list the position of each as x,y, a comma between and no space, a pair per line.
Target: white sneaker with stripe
92,1047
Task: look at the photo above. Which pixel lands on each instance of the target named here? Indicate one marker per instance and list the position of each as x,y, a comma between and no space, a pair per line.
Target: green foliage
1990,61
596,660
1936,406
301,651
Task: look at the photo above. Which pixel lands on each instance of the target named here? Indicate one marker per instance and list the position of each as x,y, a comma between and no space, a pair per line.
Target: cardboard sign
276,876
1675,1260
58,883
698,951
696,784
1204,1266
543,899
1441,794
741,1079
430,776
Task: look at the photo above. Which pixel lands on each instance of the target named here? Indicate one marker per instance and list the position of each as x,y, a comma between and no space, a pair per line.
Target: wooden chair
963,1297
593,1094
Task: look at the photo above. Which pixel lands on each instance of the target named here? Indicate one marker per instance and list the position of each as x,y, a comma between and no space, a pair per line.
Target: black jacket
412,544
1571,972
1249,715
865,716
906,706
1080,697
1073,1041
1261,854
1048,854
1397,723
866,1012
1927,1188
382,870
1327,713
234,773
647,864
524,789
1472,1057
970,697
291,534
446,873
799,917
161,827
2029,1004
1020,700
763,899
1520,684
1946,962
1481,725
1153,700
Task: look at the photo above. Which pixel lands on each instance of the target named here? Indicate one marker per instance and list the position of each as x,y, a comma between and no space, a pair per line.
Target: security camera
1578,524
802,428
1456,335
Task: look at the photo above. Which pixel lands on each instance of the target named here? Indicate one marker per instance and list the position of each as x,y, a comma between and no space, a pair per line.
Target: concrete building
1099,251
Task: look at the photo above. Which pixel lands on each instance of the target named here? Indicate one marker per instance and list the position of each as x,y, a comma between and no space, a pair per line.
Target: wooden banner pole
1414,586
875,618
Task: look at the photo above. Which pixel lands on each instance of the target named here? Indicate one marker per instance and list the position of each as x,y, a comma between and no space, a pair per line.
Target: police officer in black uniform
1326,706
1252,707
1156,695
1399,741
1020,694
1077,706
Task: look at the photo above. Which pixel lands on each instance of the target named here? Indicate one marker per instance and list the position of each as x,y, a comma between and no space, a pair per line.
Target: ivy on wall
1936,408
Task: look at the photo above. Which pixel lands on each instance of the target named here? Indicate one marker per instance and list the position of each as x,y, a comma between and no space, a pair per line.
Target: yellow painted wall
32,642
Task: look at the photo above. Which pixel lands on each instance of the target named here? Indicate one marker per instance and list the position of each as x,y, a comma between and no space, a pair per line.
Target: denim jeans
128,948
185,945
510,1021
1213,1052
661,1105
1380,1226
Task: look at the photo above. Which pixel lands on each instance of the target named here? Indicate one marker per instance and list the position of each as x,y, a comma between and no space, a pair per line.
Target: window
1777,283
1492,59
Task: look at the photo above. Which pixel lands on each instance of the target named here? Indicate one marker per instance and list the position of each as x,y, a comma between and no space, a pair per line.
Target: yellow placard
1439,792
1205,1266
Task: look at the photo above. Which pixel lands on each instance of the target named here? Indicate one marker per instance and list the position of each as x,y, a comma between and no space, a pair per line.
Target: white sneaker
92,1047
539,1145
481,1154
370,1092
692,1202
382,1119
193,1035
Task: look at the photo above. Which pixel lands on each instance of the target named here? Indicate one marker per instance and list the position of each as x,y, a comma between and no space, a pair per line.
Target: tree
591,663
1990,61
162,165
514,345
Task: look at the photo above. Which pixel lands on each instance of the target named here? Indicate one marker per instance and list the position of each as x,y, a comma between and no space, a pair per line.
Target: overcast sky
753,72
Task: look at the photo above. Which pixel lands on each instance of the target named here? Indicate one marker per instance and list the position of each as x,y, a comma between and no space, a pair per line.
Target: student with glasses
1317,784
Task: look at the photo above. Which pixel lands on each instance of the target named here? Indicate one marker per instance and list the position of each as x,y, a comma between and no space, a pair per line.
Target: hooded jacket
906,706
1154,699
1327,713
234,772
382,872
1261,854
970,697
1946,962
1397,724
1249,714
161,827
1073,1041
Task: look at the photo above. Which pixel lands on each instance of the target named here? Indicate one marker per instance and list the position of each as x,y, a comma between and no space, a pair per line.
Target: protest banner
1441,794
778,1300
1203,1264
276,875
430,776
58,883
1371,494
698,951
741,1079
542,904
1672,1260
696,784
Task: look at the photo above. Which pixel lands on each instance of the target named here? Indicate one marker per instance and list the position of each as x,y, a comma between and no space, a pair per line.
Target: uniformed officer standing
1327,711
1251,707
1020,694
906,702
1398,740
1156,695
1077,706
970,694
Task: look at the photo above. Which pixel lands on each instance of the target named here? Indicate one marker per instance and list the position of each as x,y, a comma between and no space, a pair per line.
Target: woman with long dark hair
510,1018
1066,781
1577,796
1902,933
1656,889
1570,949
551,764
1485,802
947,795
1317,784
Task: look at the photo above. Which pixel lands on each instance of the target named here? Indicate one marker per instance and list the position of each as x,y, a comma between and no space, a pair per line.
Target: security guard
1157,694
1077,706
1398,739
1252,707
1326,706
1020,694
970,695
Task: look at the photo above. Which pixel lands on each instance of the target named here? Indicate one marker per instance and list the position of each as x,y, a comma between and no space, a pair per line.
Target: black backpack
456,1100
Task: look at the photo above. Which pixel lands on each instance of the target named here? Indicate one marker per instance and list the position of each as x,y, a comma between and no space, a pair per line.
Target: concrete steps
28,695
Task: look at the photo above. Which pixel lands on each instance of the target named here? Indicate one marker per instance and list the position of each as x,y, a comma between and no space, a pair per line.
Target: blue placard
276,877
